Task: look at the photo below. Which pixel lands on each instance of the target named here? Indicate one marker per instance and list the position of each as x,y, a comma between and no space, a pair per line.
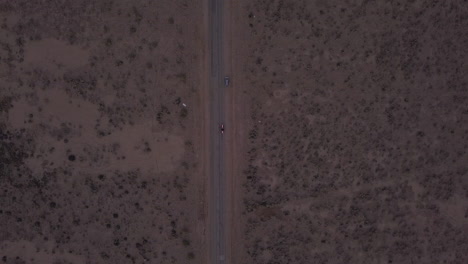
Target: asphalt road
217,174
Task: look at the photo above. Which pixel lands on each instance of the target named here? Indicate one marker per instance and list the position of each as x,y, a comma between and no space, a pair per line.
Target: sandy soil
101,126
351,139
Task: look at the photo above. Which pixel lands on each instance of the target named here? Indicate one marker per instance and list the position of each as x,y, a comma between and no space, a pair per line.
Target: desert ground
346,142
101,132
352,131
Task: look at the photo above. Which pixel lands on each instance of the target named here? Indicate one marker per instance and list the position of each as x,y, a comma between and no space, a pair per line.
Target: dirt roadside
236,106
203,218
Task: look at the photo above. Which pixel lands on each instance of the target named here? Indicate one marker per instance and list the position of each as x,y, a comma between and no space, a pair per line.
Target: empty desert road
217,201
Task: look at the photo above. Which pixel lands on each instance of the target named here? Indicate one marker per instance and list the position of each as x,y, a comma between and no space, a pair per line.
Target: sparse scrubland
98,160
355,131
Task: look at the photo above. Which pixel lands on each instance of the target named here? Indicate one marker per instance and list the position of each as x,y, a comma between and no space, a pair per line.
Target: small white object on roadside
184,105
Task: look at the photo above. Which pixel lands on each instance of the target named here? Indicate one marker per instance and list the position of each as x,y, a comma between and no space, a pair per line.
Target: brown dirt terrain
100,161
351,131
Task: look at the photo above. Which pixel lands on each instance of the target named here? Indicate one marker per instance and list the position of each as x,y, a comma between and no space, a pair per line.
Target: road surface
218,223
